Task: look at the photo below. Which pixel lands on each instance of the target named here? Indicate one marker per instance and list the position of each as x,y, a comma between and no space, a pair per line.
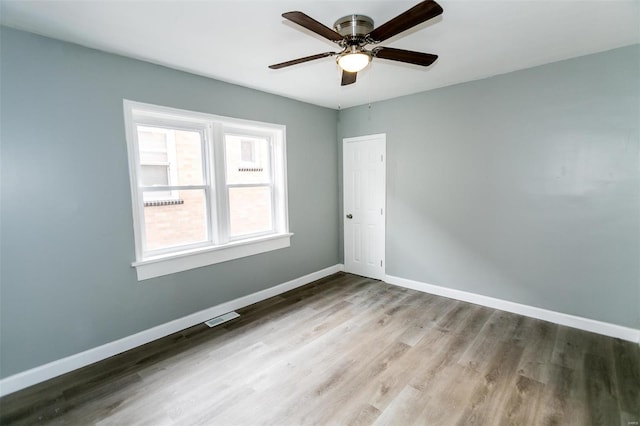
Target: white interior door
364,188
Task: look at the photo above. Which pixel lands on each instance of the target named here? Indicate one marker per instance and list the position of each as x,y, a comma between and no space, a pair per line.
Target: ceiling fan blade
312,25
301,60
348,78
416,15
417,58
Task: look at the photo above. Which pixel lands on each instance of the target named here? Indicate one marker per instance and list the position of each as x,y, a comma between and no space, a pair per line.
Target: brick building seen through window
174,157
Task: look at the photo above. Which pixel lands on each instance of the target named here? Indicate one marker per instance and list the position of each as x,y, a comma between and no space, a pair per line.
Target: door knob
349,216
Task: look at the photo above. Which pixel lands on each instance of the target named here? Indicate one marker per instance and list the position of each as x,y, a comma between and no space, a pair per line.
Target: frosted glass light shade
354,62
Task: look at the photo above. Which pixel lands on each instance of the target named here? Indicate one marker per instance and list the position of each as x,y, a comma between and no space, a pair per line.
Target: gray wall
67,233
523,186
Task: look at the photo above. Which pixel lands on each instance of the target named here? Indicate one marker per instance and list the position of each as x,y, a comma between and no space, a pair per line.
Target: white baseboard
56,368
581,323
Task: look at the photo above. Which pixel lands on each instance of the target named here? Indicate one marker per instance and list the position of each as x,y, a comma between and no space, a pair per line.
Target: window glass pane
152,143
247,151
247,159
250,210
153,175
178,151
189,157
174,222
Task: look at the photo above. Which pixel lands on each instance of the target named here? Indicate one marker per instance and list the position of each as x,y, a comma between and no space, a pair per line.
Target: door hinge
381,263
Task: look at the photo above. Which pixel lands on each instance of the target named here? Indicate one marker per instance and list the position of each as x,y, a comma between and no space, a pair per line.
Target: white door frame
369,258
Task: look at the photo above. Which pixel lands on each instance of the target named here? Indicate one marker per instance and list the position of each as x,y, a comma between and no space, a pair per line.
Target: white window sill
189,259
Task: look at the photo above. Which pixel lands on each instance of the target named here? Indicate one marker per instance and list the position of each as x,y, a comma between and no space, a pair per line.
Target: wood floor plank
367,358
383,372
557,397
538,342
432,360
601,392
362,415
625,357
348,388
351,350
523,405
489,398
570,347
500,327
452,396
307,357
402,408
420,361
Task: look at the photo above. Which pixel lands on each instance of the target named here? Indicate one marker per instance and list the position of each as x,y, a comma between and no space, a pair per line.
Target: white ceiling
235,41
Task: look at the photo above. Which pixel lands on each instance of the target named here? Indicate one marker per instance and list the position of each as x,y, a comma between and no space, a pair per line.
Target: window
205,189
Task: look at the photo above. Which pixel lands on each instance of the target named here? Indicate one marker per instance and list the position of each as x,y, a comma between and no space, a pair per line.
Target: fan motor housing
354,26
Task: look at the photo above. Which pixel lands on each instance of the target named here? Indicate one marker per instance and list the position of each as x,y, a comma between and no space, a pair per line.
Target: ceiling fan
354,32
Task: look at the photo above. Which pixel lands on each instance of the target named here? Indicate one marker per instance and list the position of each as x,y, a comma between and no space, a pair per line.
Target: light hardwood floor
350,350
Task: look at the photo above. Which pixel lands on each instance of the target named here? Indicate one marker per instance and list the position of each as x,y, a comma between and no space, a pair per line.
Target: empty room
320,212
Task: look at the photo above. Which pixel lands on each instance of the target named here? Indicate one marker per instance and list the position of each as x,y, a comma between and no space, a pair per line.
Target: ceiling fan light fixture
354,61
354,32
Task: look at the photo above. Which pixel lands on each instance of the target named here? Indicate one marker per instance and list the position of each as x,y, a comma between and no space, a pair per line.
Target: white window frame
219,247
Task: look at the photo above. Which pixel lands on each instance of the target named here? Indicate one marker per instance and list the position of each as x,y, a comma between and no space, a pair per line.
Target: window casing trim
220,247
